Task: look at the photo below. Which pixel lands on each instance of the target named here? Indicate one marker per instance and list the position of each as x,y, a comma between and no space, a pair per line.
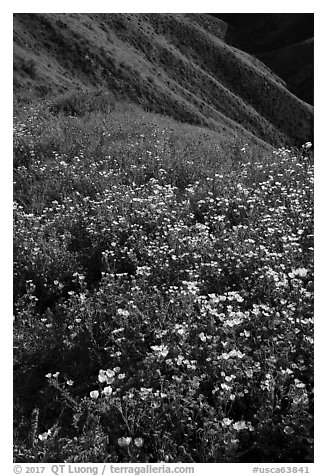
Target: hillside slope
295,64
283,41
173,64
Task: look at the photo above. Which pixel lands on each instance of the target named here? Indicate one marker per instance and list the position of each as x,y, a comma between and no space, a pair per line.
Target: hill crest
174,64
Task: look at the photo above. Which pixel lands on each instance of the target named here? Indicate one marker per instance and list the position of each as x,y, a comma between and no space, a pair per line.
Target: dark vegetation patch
284,42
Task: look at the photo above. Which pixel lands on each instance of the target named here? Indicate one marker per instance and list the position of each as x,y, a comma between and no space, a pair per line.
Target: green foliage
163,294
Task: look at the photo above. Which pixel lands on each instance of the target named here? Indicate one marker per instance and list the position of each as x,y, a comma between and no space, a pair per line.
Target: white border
205,6
277,6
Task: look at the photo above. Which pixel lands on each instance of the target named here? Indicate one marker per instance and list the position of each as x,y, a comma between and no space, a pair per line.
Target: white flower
162,350
227,421
239,425
288,430
94,394
139,442
107,391
125,441
44,436
122,312
307,145
300,272
202,337
102,377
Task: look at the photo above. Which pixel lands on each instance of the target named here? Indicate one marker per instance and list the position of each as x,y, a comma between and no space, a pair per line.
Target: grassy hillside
174,64
104,130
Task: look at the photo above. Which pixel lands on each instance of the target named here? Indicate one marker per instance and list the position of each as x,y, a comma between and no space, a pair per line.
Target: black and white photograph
163,239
